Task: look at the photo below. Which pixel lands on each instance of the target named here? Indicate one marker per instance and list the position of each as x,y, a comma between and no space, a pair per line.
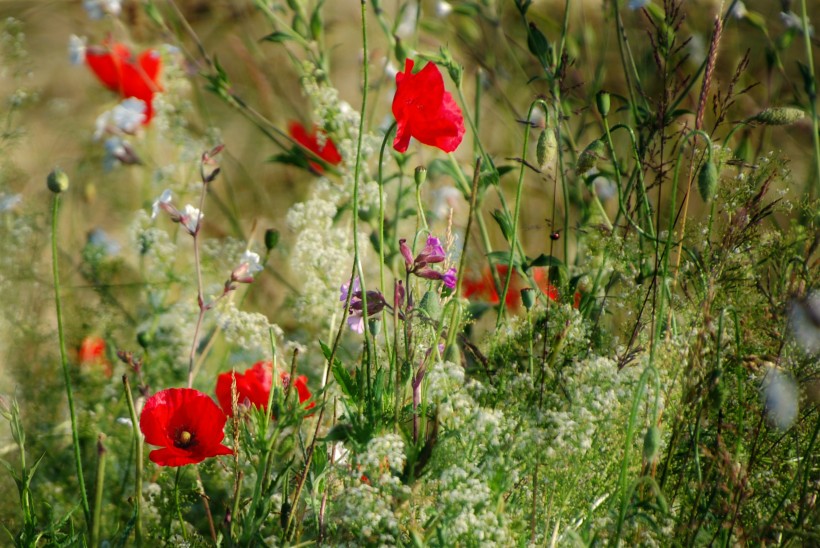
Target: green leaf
503,257
543,260
504,222
277,37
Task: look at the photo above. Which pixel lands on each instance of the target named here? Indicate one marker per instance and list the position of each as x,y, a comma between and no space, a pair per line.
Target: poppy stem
176,503
75,437
132,410
98,492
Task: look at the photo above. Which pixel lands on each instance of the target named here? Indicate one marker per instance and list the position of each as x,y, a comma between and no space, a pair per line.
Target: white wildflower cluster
152,242
443,378
366,510
321,255
470,511
221,255
365,516
384,454
247,330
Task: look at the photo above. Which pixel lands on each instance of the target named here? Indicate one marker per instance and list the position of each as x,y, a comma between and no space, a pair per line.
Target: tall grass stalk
75,437
138,461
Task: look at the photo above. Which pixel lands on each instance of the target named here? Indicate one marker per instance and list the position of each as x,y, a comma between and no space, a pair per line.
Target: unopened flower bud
271,239
452,354
420,175
57,181
546,148
528,297
708,180
406,253
430,305
602,102
780,116
590,156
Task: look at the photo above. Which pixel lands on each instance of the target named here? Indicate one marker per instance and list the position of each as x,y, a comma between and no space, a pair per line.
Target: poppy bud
590,156
780,116
708,180
602,101
57,181
651,443
420,175
545,150
271,239
528,297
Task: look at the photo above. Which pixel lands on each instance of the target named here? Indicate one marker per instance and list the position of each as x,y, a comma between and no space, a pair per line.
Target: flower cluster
253,387
432,253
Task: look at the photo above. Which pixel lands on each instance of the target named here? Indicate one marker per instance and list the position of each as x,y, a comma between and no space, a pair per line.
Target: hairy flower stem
200,299
176,504
75,437
132,410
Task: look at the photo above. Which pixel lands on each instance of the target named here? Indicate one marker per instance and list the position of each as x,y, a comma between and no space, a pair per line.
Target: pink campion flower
425,110
449,278
375,304
433,252
249,265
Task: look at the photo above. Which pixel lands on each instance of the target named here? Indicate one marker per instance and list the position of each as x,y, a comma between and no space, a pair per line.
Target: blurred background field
50,107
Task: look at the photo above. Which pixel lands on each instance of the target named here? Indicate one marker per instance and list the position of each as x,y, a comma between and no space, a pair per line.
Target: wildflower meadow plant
520,274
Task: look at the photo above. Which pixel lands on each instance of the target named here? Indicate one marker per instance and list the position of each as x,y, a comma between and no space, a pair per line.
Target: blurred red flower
254,385
129,76
186,423
310,141
425,110
483,288
92,352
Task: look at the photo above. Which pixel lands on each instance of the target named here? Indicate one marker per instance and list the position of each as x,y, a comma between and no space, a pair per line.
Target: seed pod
271,239
708,180
546,148
651,443
590,156
602,102
780,116
528,297
430,305
452,354
57,181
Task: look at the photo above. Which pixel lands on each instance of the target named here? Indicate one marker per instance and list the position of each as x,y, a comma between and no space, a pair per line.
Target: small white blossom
252,260
739,11
9,201
780,397
126,117
97,9
443,9
190,218
165,198
635,5
76,49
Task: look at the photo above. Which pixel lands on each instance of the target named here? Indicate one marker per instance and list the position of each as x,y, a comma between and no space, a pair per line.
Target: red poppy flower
310,141
129,76
186,423
254,385
301,387
425,110
92,352
484,289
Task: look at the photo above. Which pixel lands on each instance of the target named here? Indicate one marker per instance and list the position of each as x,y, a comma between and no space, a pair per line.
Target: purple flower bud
432,252
406,253
449,278
398,295
428,273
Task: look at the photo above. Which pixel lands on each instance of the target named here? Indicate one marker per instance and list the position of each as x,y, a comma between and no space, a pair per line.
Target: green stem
176,503
75,437
132,410
98,493
812,93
